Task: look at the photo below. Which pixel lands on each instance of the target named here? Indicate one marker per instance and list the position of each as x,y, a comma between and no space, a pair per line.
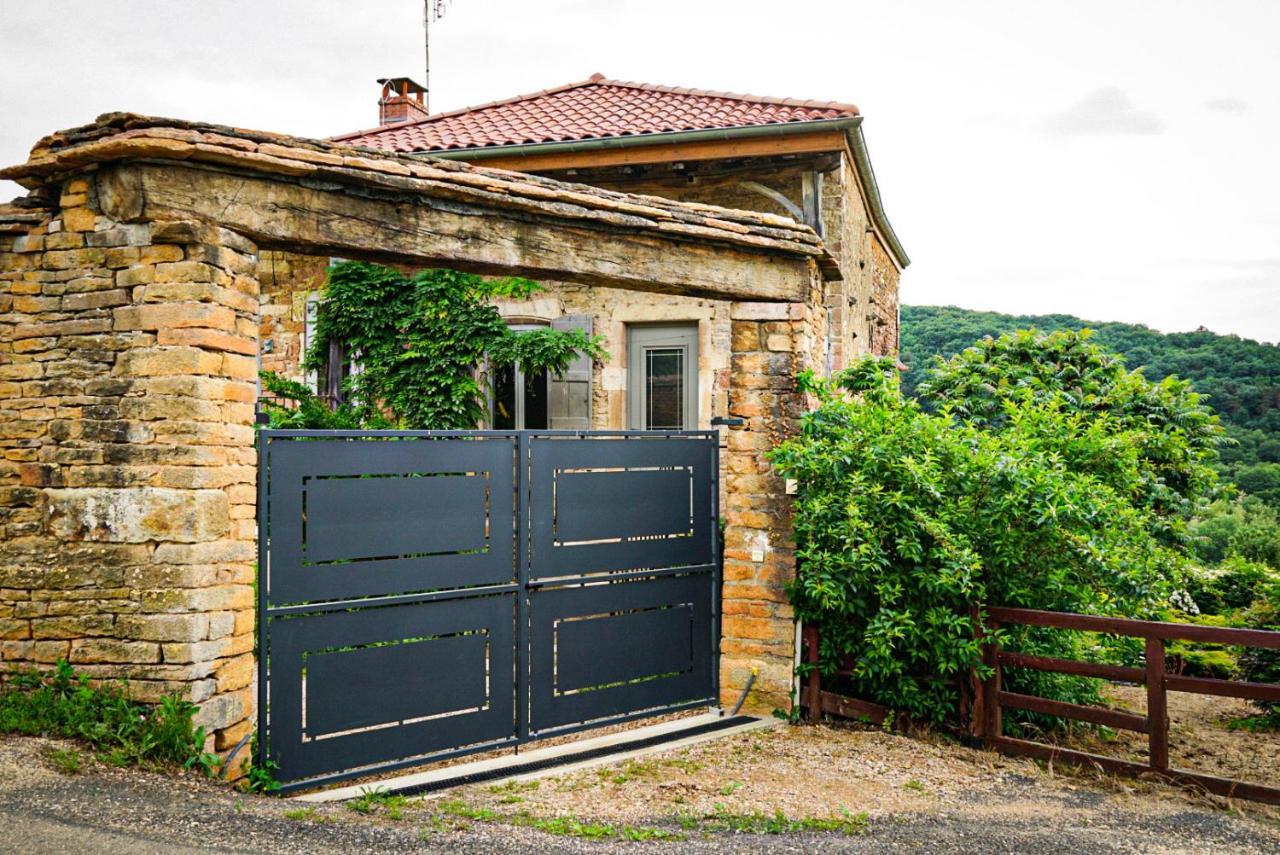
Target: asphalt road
136,813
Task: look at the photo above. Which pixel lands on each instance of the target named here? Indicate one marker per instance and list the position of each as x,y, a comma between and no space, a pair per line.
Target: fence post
813,683
1157,707
992,717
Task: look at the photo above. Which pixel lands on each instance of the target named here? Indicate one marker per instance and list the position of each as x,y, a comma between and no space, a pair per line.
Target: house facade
669,355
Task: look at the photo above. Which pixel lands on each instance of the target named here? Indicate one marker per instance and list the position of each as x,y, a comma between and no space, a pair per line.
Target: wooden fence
987,712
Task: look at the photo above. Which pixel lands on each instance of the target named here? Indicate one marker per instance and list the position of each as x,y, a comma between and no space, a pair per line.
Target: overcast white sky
1118,160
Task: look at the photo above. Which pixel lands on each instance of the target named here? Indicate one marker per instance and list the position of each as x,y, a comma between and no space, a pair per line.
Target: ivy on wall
421,344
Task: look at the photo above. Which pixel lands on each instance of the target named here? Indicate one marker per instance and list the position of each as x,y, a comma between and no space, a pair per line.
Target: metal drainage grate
550,762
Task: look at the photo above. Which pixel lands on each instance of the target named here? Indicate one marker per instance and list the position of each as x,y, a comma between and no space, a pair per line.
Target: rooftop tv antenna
432,11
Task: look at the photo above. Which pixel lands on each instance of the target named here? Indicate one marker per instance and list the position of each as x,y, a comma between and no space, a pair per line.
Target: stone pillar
771,342
128,361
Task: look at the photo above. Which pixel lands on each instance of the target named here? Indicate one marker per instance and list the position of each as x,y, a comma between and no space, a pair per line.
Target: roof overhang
844,134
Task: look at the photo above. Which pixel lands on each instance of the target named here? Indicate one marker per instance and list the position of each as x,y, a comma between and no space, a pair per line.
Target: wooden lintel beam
328,219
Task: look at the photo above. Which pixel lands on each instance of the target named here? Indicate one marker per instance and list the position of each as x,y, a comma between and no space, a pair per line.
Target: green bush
1154,442
62,703
1232,585
1247,527
906,519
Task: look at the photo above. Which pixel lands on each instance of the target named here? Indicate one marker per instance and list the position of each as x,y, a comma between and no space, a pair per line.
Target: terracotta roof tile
595,108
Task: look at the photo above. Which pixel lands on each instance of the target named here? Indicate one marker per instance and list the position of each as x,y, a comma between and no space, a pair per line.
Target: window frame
642,338
518,379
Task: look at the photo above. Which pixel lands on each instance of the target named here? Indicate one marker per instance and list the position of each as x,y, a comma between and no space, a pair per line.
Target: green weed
779,823
62,703
379,799
65,760
307,814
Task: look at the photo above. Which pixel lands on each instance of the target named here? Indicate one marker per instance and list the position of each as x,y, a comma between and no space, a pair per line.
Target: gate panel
353,518
354,688
619,504
429,594
607,650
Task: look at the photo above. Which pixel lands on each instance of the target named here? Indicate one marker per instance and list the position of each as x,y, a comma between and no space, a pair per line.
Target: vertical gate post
771,342
1157,706
992,715
522,578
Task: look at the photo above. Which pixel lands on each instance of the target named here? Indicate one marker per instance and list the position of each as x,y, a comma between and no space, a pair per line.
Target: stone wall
127,479
885,318
287,279
770,343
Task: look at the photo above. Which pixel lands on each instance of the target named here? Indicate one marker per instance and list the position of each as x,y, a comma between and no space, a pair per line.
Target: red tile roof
592,109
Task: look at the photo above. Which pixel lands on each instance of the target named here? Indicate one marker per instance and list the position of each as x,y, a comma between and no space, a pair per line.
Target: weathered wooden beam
330,218
818,142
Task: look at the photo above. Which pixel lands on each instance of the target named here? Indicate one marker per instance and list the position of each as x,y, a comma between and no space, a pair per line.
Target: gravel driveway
916,795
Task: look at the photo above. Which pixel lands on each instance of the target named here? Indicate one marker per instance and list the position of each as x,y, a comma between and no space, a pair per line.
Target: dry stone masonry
127,496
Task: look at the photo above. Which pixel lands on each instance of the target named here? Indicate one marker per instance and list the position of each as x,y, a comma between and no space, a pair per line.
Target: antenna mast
432,11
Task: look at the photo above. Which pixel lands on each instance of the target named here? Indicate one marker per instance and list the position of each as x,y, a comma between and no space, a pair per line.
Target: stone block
167,627
235,673
228,738
160,316
163,361
79,219
210,340
759,311
114,650
138,515
224,710
95,300
214,599
135,276
73,626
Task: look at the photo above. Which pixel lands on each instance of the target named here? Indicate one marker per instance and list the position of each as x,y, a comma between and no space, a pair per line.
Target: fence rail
990,716
987,709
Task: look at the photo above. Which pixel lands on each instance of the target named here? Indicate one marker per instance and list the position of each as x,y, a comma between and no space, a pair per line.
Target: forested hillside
1240,376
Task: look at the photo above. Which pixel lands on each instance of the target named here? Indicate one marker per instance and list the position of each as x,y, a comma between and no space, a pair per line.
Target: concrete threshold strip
557,759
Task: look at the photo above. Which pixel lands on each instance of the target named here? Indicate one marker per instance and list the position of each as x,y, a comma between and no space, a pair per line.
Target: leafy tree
1261,480
907,519
420,342
1241,377
1170,435
1248,528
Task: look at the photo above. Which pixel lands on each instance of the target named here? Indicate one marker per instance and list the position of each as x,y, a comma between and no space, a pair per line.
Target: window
519,402
662,377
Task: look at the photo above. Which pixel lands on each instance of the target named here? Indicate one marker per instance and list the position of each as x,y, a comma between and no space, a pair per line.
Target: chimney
401,101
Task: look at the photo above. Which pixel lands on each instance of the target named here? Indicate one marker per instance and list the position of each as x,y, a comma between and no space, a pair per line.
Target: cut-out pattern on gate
429,594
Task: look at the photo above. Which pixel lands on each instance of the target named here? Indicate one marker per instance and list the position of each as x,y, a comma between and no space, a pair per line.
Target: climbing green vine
421,343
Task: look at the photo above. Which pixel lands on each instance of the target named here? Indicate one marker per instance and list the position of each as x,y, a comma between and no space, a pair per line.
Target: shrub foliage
1047,477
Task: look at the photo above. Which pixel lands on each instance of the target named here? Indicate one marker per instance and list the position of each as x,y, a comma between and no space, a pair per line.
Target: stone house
668,360
156,265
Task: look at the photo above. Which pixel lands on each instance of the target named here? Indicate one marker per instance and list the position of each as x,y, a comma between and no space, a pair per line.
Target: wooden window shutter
569,395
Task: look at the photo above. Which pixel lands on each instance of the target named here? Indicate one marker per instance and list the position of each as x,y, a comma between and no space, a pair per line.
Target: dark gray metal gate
429,594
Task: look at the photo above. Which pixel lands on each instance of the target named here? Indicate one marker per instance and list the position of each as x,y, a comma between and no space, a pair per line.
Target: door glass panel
664,388
504,397
535,402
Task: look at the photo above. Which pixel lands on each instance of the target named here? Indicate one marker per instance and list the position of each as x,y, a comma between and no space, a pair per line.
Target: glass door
662,377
